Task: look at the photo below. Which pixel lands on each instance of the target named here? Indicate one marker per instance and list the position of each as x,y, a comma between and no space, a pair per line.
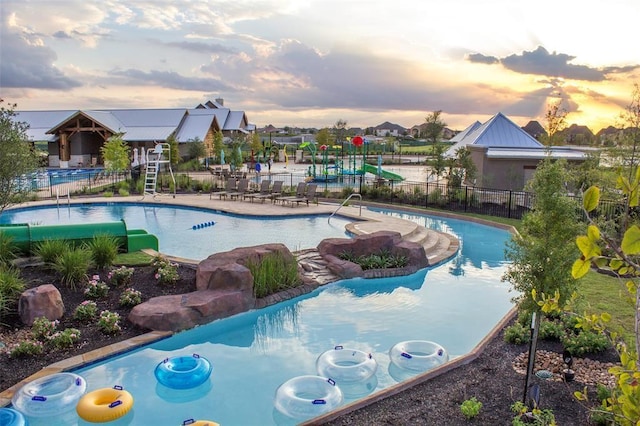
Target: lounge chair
300,191
264,190
229,188
309,195
276,191
243,187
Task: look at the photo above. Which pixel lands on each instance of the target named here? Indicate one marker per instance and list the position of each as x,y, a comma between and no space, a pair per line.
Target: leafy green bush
130,297
551,330
585,342
381,260
8,250
107,194
104,250
49,250
109,322
123,192
120,277
166,271
96,289
64,339
26,348
536,417
43,328
273,274
73,266
517,334
471,408
86,311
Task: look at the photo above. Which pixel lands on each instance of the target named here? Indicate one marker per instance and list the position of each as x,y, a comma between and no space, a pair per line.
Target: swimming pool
173,225
454,304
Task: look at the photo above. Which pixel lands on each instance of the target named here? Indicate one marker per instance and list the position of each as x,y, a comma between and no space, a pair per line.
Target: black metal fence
469,199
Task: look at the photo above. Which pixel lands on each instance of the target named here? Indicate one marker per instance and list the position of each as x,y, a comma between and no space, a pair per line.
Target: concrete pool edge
421,378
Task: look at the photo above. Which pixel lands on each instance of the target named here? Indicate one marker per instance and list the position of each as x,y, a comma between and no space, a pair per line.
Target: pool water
454,304
173,225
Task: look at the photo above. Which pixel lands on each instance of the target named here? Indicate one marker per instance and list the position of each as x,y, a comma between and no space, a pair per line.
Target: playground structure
356,162
26,237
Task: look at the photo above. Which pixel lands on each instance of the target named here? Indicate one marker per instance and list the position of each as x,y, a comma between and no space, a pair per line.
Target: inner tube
191,422
50,395
11,417
305,397
346,365
418,355
183,372
104,405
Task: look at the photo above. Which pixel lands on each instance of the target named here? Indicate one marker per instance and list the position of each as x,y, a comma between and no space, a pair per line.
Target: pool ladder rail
344,203
155,159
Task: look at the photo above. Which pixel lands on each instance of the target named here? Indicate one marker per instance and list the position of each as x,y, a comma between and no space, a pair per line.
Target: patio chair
243,187
229,188
300,191
276,191
264,190
309,195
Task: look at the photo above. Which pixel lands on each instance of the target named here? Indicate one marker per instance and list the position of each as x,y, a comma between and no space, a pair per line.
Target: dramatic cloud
172,80
541,62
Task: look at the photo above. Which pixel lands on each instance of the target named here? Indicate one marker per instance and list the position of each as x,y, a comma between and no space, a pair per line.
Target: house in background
75,137
389,129
535,129
505,155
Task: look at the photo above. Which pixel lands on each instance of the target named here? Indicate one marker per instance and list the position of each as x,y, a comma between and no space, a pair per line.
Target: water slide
368,168
26,237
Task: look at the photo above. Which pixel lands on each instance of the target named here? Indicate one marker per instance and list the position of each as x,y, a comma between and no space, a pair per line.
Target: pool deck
441,247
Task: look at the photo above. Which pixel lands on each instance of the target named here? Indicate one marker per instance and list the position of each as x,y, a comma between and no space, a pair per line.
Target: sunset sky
308,63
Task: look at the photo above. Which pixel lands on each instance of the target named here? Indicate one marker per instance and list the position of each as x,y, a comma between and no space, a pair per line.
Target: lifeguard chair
160,154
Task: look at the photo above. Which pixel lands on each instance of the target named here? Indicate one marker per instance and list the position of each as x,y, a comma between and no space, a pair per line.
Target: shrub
166,271
73,266
517,334
585,342
43,328
49,250
536,417
11,284
8,250
551,330
104,250
86,311
107,194
123,192
272,274
120,277
381,260
130,297
64,339
109,322
96,289
471,408
26,348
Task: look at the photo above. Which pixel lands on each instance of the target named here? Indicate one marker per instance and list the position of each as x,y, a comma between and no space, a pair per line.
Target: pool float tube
192,422
50,395
11,417
418,355
104,405
305,397
183,372
346,365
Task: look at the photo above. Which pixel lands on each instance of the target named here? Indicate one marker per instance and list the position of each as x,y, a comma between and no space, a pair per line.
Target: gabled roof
465,132
41,121
499,132
196,126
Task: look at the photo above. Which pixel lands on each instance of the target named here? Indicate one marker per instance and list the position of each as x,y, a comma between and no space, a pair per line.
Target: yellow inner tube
203,423
104,405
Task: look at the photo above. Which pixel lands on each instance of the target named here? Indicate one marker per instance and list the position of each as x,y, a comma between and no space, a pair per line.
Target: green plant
273,273
123,192
109,322
43,328
166,271
86,311
120,277
536,417
48,250
551,330
73,266
64,339
104,250
11,284
517,334
26,348
95,288
107,194
585,342
130,297
471,408
8,250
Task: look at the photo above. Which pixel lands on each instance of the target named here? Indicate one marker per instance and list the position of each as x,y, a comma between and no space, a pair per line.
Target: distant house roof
498,131
141,124
535,129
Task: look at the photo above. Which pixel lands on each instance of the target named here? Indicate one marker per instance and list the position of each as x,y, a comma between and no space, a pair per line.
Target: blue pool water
174,226
454,304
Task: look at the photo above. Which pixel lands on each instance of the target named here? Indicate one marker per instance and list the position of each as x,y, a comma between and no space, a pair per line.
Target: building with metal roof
505,155
75,137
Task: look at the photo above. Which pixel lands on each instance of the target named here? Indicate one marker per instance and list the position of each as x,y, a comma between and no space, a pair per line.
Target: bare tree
555,119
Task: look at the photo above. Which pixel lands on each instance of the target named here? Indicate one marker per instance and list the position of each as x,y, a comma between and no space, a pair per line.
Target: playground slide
385,174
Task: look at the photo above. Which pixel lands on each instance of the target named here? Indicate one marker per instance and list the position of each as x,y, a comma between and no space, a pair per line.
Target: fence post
466,197
426,197
509,205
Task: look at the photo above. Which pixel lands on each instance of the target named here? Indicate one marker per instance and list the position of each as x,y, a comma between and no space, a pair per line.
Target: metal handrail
345,202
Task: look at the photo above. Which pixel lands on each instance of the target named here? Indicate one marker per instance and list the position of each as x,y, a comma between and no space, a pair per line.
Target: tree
340,130
461,168
555,119
174,153
433,129
218,144
115,152
17,158
256,143
197,149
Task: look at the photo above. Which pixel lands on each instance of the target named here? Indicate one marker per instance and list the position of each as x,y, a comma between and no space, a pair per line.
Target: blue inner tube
11,417
183,372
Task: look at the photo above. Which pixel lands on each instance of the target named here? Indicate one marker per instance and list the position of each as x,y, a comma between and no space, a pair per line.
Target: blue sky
312,62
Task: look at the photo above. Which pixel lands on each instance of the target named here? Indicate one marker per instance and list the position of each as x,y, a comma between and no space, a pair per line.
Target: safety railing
345,202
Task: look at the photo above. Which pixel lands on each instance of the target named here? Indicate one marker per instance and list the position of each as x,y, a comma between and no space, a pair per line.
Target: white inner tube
305,397
346,365
50,395
418,355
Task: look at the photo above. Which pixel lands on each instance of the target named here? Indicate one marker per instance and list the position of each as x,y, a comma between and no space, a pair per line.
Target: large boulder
388,241
42,301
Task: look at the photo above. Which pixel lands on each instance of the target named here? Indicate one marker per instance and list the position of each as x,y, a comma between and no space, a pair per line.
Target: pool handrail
345,202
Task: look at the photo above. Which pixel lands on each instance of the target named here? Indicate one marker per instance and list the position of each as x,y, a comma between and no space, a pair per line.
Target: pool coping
153,336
